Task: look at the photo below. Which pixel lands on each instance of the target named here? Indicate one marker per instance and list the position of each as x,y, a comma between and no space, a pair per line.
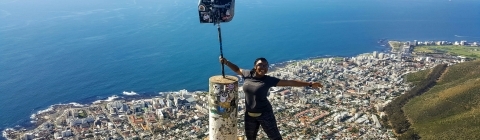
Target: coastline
45,117
32,123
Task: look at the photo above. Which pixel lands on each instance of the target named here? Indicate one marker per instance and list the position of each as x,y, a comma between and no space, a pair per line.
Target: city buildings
348,107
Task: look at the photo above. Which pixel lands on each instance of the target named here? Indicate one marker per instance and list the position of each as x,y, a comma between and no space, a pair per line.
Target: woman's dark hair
255,62
258,59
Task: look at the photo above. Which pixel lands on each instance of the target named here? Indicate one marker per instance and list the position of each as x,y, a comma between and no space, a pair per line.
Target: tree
354,130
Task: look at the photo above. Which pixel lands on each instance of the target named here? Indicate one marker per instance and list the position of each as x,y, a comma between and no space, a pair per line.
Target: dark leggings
268,123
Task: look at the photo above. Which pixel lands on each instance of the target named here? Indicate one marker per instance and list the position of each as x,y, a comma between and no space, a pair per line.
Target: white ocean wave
129,93
76,104
97,102
6,131
51,107
33,116
4,134
111,98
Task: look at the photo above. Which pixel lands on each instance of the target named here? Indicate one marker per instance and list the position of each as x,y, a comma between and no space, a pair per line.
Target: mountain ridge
451,108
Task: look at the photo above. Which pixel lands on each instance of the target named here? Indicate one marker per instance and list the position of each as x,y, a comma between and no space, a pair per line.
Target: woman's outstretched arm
232,66
296,83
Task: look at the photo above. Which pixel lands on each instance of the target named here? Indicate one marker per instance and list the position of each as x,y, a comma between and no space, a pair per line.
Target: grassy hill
450,109
417,77
466,51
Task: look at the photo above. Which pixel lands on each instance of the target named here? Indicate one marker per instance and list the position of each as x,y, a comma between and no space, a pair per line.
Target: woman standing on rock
256,85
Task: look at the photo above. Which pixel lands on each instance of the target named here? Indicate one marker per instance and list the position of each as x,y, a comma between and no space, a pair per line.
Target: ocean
54,52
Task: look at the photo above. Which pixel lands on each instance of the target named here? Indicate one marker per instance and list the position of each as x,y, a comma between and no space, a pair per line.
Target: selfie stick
221,50
220,39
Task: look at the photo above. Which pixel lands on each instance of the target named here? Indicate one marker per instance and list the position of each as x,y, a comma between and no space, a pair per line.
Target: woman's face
261,67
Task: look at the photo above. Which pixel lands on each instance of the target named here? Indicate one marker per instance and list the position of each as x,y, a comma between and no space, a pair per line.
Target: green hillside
417,77
450,109
466,51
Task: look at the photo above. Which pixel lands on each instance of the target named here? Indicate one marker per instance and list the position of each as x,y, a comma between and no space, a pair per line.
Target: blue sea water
54,51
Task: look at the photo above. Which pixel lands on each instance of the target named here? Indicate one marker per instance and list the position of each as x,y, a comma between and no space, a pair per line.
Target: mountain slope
450,109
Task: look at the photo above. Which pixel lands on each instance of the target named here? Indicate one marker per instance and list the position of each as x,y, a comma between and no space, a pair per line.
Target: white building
380,55
375,120
66,133
117,107
80,122
159,113
28,136
456,43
